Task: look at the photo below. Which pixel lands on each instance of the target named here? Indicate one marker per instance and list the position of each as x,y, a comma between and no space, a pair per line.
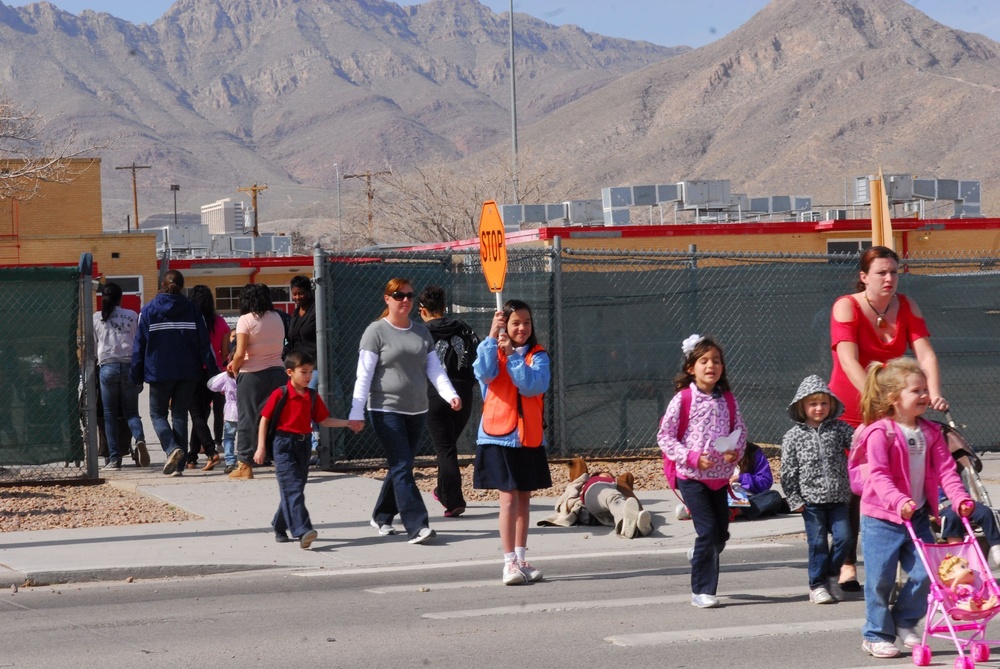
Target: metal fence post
89,384
560,352
325,447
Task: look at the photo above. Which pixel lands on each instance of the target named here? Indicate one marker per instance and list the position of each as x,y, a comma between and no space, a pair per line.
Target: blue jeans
291,468
116,389
821,520
710,514
884,545
175,397
399,435
229,441
982,516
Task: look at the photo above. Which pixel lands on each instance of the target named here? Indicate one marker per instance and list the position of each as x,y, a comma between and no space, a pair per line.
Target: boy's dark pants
291,468
710,515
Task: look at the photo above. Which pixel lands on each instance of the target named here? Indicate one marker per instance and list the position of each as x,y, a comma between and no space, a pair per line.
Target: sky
664,22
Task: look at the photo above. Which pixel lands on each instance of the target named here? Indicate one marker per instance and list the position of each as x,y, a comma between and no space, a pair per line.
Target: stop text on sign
490,245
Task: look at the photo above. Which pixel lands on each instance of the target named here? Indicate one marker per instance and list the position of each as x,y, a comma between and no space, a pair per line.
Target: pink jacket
887,487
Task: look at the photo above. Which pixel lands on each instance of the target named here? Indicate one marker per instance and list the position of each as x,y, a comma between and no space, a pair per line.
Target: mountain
218,94
802,96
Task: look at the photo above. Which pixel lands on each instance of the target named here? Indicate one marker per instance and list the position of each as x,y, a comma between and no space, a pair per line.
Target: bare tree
29,157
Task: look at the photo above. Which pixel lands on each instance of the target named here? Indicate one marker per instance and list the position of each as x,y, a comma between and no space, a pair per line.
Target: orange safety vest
505,409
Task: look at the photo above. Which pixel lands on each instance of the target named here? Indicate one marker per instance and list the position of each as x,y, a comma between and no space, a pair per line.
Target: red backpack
669,466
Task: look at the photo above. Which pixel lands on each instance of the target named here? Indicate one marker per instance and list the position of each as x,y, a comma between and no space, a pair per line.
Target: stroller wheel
964,663
921,655
980,652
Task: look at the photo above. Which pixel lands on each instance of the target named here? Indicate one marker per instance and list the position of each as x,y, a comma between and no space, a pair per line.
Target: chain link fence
43,403
613,322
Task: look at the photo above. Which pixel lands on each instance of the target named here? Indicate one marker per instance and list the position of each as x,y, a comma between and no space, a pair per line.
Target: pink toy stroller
963,599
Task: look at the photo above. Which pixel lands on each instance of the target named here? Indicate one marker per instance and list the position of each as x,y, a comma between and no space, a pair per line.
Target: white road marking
546,607
534,559
741,632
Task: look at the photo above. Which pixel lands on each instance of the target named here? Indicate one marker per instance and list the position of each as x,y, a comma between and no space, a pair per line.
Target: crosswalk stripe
740,632
543,607
326,573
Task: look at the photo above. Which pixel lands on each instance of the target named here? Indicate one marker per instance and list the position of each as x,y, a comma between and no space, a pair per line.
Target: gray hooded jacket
814,459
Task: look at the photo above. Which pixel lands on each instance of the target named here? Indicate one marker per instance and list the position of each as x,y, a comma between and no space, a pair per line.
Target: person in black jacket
302,327
455,343
171,353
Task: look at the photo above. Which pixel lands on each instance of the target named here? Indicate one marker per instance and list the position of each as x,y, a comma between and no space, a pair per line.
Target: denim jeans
399,435
229,441
291,468
821,520
710,514
116,389
175,397
885,544
982,517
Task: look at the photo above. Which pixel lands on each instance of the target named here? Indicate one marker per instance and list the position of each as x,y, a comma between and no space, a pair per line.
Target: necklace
881,321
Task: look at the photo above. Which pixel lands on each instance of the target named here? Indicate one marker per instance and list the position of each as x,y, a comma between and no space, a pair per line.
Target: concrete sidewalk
234,532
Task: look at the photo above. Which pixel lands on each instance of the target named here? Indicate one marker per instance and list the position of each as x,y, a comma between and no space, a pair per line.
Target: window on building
850,248
227,298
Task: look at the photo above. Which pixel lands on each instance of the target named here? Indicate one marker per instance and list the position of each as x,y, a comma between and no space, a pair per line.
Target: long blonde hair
394,284
883,385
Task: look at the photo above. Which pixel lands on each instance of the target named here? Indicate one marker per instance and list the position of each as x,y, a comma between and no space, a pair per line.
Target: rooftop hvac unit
836,214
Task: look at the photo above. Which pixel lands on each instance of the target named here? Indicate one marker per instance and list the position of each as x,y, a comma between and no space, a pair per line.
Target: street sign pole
493,250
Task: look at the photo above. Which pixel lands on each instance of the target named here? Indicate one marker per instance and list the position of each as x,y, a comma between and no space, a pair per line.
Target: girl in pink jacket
907,461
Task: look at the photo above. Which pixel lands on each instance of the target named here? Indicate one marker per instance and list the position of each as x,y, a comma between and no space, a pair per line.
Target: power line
135,195
367,176
253,190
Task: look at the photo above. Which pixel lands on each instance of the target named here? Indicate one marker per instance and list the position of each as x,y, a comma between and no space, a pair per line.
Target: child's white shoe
682,513
821,595
995,555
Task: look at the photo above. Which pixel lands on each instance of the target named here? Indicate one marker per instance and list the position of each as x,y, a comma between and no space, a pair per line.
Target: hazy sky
665,22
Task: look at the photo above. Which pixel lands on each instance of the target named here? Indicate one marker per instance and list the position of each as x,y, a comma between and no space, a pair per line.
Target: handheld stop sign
493,249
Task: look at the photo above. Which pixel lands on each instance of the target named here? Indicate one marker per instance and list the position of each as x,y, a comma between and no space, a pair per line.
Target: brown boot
243,471
212,461
625,483
577,468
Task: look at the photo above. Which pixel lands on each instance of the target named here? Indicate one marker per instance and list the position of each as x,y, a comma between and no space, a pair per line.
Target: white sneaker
907,636
424,535
691,554
882,649
644,524
682,513
530,573
704,601
512,575
820,595
383,530
630,516
995,555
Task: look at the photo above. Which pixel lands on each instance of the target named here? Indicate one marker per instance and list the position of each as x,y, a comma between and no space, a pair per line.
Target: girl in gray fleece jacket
814,478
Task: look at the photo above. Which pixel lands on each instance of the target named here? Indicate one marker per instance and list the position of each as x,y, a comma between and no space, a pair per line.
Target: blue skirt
503,468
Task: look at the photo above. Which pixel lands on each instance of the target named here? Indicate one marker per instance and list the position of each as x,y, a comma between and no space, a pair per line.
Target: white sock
509,557
519,551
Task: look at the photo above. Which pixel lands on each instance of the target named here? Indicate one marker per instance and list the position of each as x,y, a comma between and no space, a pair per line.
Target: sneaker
691,554
177,473
281,537
644,523
173,460
112,465
307,539
212,461
907,636
242,471
424,535
705,601
229,469
383,530
512,575
820,595
882,649
459,510
630,516
530,573
142,453
682,513
995,555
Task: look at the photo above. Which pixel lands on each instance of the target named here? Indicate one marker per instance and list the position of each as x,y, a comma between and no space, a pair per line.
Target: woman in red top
875,324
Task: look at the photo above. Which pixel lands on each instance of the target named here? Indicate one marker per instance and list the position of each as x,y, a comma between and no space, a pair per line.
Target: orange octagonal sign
492,247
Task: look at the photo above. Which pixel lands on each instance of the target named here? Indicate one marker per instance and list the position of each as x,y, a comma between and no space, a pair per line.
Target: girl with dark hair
114,332
875,324
513,373
395,362
703,436
204,400
257,366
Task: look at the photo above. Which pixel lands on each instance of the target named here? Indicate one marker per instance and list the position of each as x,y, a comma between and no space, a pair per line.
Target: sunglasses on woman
399,296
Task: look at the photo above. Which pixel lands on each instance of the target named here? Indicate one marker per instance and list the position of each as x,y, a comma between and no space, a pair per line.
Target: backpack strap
685,413
731,404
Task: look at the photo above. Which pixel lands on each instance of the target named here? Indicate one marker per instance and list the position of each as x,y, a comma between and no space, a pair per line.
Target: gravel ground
67,506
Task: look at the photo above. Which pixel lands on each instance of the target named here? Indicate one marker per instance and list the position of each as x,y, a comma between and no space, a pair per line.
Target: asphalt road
590,611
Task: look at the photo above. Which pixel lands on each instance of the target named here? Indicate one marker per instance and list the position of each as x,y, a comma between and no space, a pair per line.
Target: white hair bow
688,344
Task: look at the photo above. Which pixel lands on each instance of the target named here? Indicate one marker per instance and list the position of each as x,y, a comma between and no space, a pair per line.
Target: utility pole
513,107
253,190
135,196
367,176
